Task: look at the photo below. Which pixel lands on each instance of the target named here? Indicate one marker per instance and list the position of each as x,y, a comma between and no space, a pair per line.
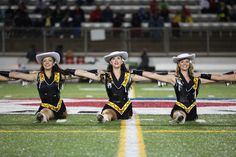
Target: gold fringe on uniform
51,107
117,108
56,77
187,109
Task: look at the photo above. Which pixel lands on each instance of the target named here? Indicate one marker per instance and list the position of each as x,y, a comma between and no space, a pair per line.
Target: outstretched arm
155,76
23,76
139,78
3,78
87,74
163,78
205,81
231,76
84,73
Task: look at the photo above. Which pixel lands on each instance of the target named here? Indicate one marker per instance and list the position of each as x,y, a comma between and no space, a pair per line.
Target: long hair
110,69
55,68
190,70
122,68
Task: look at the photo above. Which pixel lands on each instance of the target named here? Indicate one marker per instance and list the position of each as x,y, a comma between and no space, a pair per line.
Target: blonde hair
190,69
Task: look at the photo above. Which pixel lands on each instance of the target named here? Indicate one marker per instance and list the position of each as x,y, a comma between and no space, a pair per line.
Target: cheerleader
117,80
186,87
49,82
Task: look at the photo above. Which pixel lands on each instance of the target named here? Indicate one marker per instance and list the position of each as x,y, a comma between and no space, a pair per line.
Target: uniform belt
187,109
52,107
117,108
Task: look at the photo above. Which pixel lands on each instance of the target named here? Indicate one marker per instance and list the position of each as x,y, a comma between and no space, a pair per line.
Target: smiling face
116,61
48,63
184,64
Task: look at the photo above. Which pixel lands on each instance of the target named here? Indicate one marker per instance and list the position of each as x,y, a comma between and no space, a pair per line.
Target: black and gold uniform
49,91
117,91
186,94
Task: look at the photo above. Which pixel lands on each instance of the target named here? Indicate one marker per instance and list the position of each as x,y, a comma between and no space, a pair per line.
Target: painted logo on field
140,105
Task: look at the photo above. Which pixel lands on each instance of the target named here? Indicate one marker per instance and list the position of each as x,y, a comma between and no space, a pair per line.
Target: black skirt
59,114
191,116
126,115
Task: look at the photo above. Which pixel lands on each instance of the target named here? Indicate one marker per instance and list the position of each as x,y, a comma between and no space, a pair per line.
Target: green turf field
83,136
95,90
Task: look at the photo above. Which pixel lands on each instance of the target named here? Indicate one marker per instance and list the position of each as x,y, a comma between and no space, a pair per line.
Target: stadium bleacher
205,36
207,24
124,6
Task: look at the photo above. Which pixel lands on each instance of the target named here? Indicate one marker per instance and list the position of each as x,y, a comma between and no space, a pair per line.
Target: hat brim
188,56
123,54
54,55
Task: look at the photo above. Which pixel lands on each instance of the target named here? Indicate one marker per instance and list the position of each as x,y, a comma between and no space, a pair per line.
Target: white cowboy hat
184,56
41,56
123,54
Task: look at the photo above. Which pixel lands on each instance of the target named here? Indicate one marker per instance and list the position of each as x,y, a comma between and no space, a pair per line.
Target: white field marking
61,120
200,110
131,139
16,107
200,121
157,89
190,131
28,101
85,100
76,110
89,96
139,96
198,100
170,96
58,131
115,131
91,89
146,119
131,145
210,96
7,96
142,150
19,109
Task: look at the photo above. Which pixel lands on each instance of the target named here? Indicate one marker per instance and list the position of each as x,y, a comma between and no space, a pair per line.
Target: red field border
143,103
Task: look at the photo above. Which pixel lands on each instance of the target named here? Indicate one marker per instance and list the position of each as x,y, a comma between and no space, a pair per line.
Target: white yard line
91,89
131,139
131,144
157,89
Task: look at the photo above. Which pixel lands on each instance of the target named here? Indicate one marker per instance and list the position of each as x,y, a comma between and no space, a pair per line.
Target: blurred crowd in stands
225,9
71,14
157,13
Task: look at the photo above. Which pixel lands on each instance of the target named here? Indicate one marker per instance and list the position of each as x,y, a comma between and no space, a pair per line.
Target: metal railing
158,40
